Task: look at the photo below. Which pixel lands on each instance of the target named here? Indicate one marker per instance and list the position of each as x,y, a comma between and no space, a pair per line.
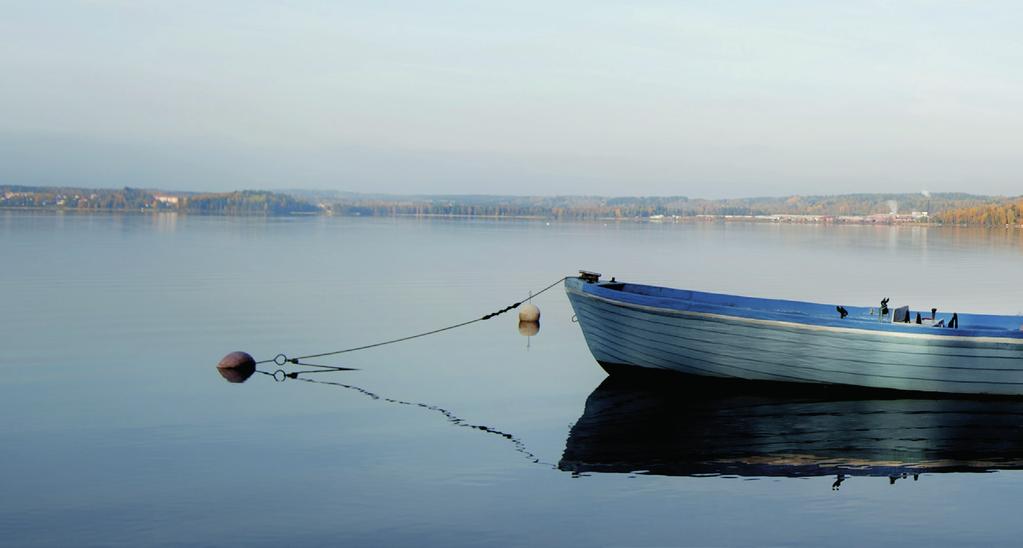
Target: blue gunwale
986,326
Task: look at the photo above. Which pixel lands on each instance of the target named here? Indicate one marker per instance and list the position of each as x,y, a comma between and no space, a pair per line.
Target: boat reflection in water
695,428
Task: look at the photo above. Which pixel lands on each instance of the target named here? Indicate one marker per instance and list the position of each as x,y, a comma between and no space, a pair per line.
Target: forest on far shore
943,208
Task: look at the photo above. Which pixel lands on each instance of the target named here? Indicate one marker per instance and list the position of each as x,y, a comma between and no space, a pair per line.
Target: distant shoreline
153,211
869,209
632,220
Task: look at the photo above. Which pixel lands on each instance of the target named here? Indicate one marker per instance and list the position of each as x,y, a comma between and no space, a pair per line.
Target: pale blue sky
708,99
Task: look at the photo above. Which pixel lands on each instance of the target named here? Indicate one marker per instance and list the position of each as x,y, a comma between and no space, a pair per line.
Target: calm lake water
118,430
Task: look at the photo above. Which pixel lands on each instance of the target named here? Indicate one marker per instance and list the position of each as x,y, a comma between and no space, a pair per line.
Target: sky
704,99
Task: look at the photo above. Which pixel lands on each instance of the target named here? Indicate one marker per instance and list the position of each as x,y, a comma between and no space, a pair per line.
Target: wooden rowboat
633,327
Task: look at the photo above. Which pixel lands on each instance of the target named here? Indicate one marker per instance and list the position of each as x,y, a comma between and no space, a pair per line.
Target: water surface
118,430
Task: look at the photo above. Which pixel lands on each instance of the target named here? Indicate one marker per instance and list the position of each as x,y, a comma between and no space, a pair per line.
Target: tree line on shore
945,208
134,199
1005,213
593,208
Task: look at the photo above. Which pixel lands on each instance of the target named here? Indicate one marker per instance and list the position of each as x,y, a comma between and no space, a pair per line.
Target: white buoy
529,329
529,312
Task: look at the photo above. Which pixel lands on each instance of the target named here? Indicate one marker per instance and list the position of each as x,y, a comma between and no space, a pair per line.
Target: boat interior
901,318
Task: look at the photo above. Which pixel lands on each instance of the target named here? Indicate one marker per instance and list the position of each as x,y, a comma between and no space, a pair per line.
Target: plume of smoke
926,193
893,207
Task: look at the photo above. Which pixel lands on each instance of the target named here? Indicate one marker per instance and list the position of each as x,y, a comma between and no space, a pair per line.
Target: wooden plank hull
720,345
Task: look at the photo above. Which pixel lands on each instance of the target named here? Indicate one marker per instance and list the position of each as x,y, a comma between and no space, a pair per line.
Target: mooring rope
281,359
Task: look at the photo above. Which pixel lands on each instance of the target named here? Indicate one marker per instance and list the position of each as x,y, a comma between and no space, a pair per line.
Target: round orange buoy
237,366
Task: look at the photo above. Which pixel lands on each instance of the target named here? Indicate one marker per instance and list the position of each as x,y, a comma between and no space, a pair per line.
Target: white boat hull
624,334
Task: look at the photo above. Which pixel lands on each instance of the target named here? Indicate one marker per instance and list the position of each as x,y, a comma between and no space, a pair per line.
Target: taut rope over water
281,359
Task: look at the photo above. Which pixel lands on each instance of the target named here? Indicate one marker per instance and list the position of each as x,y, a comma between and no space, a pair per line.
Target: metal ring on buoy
283,377
280,359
